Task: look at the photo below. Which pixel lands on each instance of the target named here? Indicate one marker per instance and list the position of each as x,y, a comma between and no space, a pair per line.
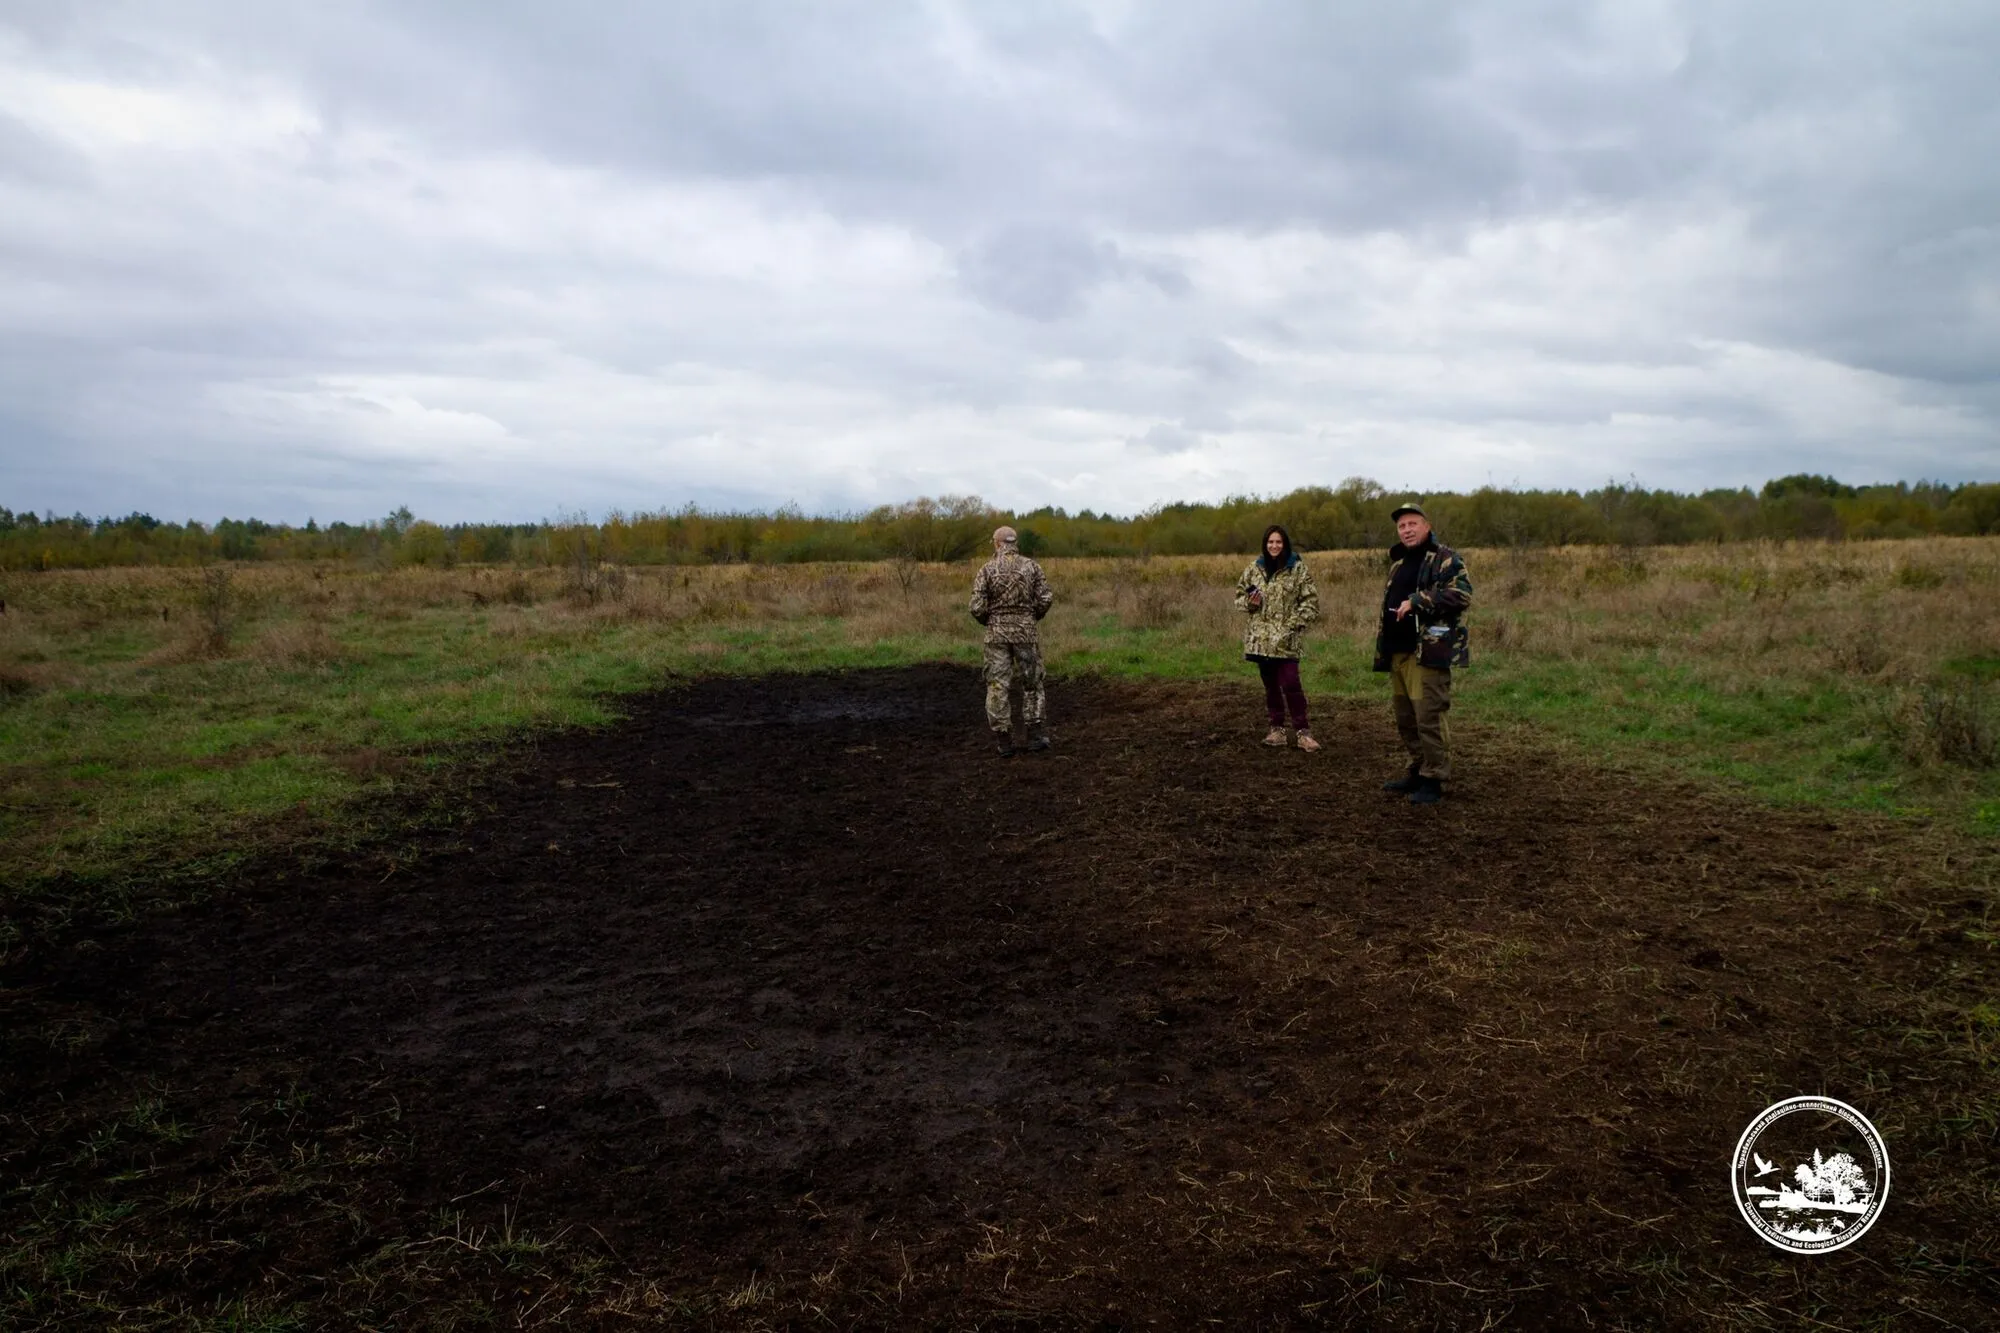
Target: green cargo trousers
1422,696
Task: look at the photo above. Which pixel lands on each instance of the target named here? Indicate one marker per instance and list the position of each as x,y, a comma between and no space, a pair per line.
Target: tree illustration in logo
1836,1179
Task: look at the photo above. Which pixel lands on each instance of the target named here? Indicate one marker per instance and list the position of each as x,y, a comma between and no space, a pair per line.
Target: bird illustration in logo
1764,1168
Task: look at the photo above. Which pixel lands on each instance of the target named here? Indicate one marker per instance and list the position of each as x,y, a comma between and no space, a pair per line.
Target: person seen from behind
1419,643
1278,595
1009,595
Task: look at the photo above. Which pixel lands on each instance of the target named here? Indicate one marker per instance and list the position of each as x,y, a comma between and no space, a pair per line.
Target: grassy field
158,726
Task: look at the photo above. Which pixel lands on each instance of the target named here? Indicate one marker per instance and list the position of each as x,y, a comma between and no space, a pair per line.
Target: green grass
1796,741
129,774
152,765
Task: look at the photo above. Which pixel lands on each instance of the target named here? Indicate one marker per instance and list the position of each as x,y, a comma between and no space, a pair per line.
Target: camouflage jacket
1291,602
1444,591
1009,596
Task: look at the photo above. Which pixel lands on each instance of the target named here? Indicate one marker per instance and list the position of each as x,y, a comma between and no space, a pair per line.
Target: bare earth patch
786,1000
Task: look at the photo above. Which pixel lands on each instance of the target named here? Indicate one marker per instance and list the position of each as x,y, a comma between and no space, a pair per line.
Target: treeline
1352,514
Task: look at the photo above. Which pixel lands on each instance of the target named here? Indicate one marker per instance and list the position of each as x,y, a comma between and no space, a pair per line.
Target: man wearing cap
1009,595
1419,643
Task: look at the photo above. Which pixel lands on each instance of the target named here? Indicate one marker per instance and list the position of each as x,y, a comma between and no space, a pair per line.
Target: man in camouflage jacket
1419,643
1009,595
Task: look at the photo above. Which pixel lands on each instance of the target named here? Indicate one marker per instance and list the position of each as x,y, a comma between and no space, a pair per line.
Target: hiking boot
1039,738
1428,791
1275,738
1307,743
1003,741
1405,784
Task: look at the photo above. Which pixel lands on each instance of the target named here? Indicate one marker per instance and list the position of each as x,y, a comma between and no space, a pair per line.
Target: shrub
1956,722
833,596
214,611
1158,605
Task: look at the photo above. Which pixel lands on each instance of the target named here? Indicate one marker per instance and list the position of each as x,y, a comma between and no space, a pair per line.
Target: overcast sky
496,259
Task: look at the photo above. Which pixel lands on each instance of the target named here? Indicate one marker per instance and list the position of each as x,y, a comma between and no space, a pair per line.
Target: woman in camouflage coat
1278,595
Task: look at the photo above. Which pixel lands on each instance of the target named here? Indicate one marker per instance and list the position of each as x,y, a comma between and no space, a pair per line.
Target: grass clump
1952,722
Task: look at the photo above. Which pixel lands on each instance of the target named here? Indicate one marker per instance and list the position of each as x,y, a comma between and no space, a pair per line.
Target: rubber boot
1429,791
1039,738
1405,784
1003,741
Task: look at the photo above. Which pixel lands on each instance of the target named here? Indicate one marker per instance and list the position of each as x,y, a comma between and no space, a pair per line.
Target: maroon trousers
1282,689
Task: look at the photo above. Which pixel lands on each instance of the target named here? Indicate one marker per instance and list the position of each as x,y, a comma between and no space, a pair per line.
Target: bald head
1004,538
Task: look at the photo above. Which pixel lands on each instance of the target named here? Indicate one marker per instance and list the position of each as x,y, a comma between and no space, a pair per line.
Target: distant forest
1353,514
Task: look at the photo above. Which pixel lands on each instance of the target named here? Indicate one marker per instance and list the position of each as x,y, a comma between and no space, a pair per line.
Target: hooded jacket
1291,602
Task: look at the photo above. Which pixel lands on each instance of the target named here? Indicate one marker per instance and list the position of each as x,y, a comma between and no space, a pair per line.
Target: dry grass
1864,673
299,644
1882,612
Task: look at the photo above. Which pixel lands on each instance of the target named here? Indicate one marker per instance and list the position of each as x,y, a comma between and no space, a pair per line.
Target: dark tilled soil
787,1001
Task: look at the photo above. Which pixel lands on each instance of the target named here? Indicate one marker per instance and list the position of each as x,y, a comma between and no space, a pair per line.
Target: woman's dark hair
1285,557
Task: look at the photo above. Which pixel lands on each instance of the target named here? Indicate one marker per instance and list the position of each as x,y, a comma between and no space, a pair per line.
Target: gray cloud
295,257
31,157
1046,272
1167,438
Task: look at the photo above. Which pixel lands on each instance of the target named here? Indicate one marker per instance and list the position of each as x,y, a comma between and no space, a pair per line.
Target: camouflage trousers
1009,667
1422,697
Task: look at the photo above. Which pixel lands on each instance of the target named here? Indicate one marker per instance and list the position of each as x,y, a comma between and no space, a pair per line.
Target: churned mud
790,992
